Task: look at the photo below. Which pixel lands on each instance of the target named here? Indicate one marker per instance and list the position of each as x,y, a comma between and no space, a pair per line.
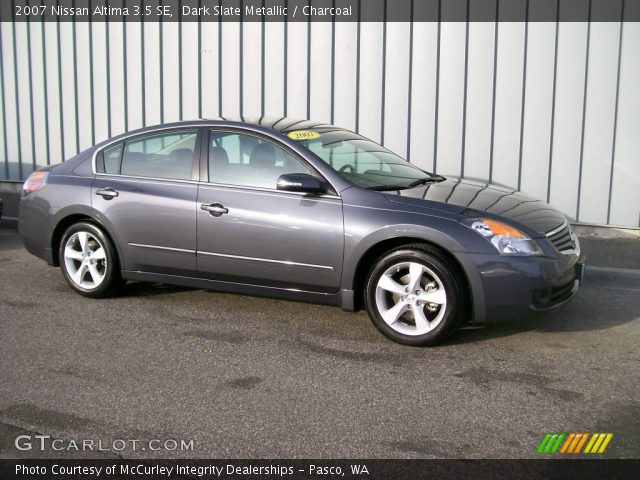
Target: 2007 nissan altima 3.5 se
299,210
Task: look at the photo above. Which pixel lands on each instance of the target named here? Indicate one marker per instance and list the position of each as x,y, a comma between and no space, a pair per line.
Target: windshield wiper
421,181
424,181
383,188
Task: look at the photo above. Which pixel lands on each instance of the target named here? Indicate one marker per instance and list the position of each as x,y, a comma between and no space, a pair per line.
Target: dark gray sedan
299,210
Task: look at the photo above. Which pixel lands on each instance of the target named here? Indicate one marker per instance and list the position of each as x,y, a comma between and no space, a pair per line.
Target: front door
249,232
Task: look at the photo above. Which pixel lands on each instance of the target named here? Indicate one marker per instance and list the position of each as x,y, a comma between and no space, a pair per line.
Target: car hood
476,198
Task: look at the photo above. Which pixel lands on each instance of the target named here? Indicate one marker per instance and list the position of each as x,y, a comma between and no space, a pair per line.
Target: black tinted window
168,155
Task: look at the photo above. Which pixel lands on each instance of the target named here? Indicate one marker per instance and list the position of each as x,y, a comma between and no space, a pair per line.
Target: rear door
146,188
252,233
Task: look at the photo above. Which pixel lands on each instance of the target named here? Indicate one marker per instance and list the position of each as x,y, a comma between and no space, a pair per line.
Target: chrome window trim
267,260
208,128
269,191
131,178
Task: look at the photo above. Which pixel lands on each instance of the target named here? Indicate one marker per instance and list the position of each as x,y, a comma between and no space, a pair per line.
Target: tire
88,261
414,297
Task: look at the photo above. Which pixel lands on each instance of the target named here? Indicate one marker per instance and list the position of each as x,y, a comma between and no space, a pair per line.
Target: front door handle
107,193
214,209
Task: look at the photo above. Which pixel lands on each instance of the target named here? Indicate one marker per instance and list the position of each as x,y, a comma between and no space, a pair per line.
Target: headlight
506,239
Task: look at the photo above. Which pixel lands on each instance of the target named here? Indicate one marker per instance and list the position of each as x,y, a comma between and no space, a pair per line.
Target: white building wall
552,109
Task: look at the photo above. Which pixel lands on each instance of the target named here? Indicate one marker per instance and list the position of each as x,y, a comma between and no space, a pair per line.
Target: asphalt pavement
246,377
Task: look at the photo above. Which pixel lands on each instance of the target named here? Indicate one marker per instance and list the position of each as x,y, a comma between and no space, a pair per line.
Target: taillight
36,181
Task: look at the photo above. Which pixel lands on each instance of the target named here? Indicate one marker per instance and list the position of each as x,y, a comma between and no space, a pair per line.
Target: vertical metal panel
572,41
599,122
274,71
345,75
538,107
190,55
297,69
479,99
170,72
117,80
410,82
252,68
49,91
625,199
320,85
370,79
134,75
4,169
68,88
10,107
100,101
38,95
397,75
151,73
210,65
553,100
423,97
84,111
21,60
508,103
451,97
45,93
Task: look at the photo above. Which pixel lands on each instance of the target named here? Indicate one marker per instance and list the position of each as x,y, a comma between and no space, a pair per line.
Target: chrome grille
563,238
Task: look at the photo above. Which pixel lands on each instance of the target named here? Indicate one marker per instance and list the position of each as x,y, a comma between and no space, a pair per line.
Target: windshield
360,160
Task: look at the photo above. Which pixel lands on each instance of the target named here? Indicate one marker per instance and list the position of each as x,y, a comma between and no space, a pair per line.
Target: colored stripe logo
574,443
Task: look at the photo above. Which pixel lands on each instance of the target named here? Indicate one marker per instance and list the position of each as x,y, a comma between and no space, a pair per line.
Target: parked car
299,210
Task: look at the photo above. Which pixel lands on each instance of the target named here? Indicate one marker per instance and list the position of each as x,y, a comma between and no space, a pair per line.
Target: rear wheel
88,261
414,297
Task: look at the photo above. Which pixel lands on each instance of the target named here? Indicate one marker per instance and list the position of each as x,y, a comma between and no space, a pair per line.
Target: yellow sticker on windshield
303,135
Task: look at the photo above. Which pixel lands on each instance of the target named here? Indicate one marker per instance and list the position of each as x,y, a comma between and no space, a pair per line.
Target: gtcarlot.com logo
45,442
574,443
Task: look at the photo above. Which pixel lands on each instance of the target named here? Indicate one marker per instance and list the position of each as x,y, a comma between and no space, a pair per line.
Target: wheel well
379,249
65,223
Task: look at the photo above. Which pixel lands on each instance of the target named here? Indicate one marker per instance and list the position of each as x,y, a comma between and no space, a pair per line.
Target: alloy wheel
411,298
85,260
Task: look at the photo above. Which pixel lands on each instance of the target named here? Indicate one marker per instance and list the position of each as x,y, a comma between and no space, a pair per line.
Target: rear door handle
107,193
214,209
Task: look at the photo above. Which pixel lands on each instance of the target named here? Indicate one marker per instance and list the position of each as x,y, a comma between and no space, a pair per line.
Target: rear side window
167,155
112,159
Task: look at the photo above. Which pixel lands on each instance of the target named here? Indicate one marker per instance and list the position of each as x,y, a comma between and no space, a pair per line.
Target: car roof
278,124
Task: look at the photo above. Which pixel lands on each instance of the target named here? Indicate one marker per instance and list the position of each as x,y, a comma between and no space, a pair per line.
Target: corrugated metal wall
552,109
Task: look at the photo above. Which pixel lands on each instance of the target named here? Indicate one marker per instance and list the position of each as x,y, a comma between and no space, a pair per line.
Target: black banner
320,10
327,469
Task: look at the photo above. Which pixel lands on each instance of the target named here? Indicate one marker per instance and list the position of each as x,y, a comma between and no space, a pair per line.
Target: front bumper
520,288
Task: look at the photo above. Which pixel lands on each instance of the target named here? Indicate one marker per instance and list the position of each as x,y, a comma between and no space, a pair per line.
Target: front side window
166,155
245,160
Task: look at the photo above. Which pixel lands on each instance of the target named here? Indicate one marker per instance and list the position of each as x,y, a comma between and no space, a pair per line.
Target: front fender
440,233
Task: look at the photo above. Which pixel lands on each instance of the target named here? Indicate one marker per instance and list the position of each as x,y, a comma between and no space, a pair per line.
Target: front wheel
88,261
414,297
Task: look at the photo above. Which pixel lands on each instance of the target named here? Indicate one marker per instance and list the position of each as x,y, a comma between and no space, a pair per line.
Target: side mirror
300,182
